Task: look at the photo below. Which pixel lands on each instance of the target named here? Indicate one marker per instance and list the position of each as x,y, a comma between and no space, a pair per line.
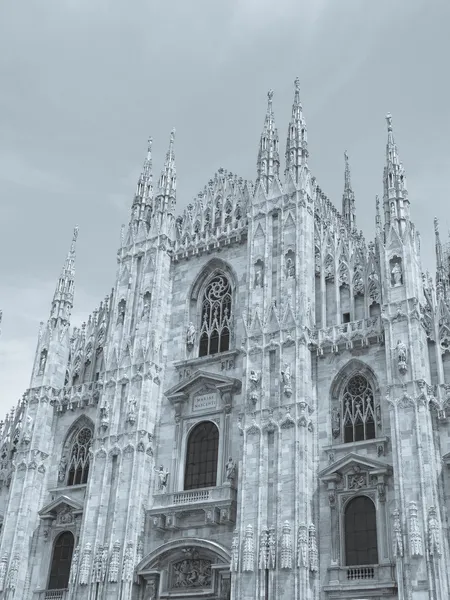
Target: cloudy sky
85,82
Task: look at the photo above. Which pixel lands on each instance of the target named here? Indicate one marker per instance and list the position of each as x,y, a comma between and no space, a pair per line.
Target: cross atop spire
63,298
297,139
348,198
268,164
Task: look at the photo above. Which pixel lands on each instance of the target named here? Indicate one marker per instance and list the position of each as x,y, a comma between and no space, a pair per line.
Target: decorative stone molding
248,552
286,547
3,570
85,566
114,563
234,564
397,535
312,550
128,563
302,547
434,533
415,537
74,566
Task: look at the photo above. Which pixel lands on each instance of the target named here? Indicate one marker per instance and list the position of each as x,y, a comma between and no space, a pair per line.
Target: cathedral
259,410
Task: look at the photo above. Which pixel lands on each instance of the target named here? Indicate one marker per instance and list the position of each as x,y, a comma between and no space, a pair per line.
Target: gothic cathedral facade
259,410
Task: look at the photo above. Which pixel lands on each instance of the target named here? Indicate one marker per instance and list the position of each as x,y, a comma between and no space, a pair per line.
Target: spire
144,187
63,298
167,184
297,139
396,203
440,269
378,216
348,198
268,164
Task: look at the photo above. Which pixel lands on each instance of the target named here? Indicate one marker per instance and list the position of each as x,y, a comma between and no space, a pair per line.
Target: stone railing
215,494
348,335
362,575
51,595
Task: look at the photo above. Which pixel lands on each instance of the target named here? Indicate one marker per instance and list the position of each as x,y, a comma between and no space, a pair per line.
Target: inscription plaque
205,401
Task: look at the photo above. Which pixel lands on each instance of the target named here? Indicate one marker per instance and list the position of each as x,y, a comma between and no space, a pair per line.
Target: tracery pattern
358,410
216,317
78,470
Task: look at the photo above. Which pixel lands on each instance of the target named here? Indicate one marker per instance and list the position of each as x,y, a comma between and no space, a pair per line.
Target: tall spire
297,138
167,184
396,203
440,269
348,198
63,298
268,164
144,187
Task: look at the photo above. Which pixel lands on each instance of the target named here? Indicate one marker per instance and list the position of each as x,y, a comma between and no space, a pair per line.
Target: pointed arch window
78,468
201,456
358,410
61,561
361,546
216,317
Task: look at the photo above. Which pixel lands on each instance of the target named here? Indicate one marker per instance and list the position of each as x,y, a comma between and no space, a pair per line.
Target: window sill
362,577
64,490
380,443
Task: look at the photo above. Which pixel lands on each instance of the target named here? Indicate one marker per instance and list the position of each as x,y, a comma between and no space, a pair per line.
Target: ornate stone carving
415,537
234,563
231,469
114,563
163,476
192,571
65,516
13,573
74,566
62,468
302,546
401,352
263,549
191,335
42,362
396,272
85,565
96,576
128,563
248,552
139,557
27,432
434,534
312,550
104,415
357,479
286,546
397,534
3,569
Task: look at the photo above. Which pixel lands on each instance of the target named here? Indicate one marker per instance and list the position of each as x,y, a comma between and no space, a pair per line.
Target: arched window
361,532
61,561
358,410
201,456
216,317
78,468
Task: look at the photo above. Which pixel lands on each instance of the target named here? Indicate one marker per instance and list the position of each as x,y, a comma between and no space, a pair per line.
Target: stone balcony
347,336
51,595
208,506
362,578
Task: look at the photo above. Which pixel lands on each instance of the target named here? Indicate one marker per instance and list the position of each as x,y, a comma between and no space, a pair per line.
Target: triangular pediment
202,378
60,503
352,460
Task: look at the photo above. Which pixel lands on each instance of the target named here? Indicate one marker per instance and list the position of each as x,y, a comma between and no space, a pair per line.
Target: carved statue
258,278
398,537
104,415
401,356
42,362
190,336
121,312
231,469
62,468
396,275
131,415
434,540
254,377
336,422
163,476
290,268
146,307
286,375
27,431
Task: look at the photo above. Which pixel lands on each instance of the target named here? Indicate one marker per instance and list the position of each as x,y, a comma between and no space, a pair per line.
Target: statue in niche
163,476
28,430
231,469
42,362
146,307
131,414
286,375
104,415
121,312
254,377
401,356
396,274
258,277
336,422
191,334
290,268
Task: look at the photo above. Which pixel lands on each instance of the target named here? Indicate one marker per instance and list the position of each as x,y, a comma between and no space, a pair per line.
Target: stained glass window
358,410
201,456
361,532
216,317
78,470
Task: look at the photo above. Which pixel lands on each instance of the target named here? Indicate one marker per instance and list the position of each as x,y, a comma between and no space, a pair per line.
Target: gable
351,462
62,503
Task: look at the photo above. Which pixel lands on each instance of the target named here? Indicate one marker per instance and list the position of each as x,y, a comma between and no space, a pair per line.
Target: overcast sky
85,82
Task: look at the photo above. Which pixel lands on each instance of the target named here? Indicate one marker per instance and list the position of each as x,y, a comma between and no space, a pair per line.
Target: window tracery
216,317
358,410
201,456
79,461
